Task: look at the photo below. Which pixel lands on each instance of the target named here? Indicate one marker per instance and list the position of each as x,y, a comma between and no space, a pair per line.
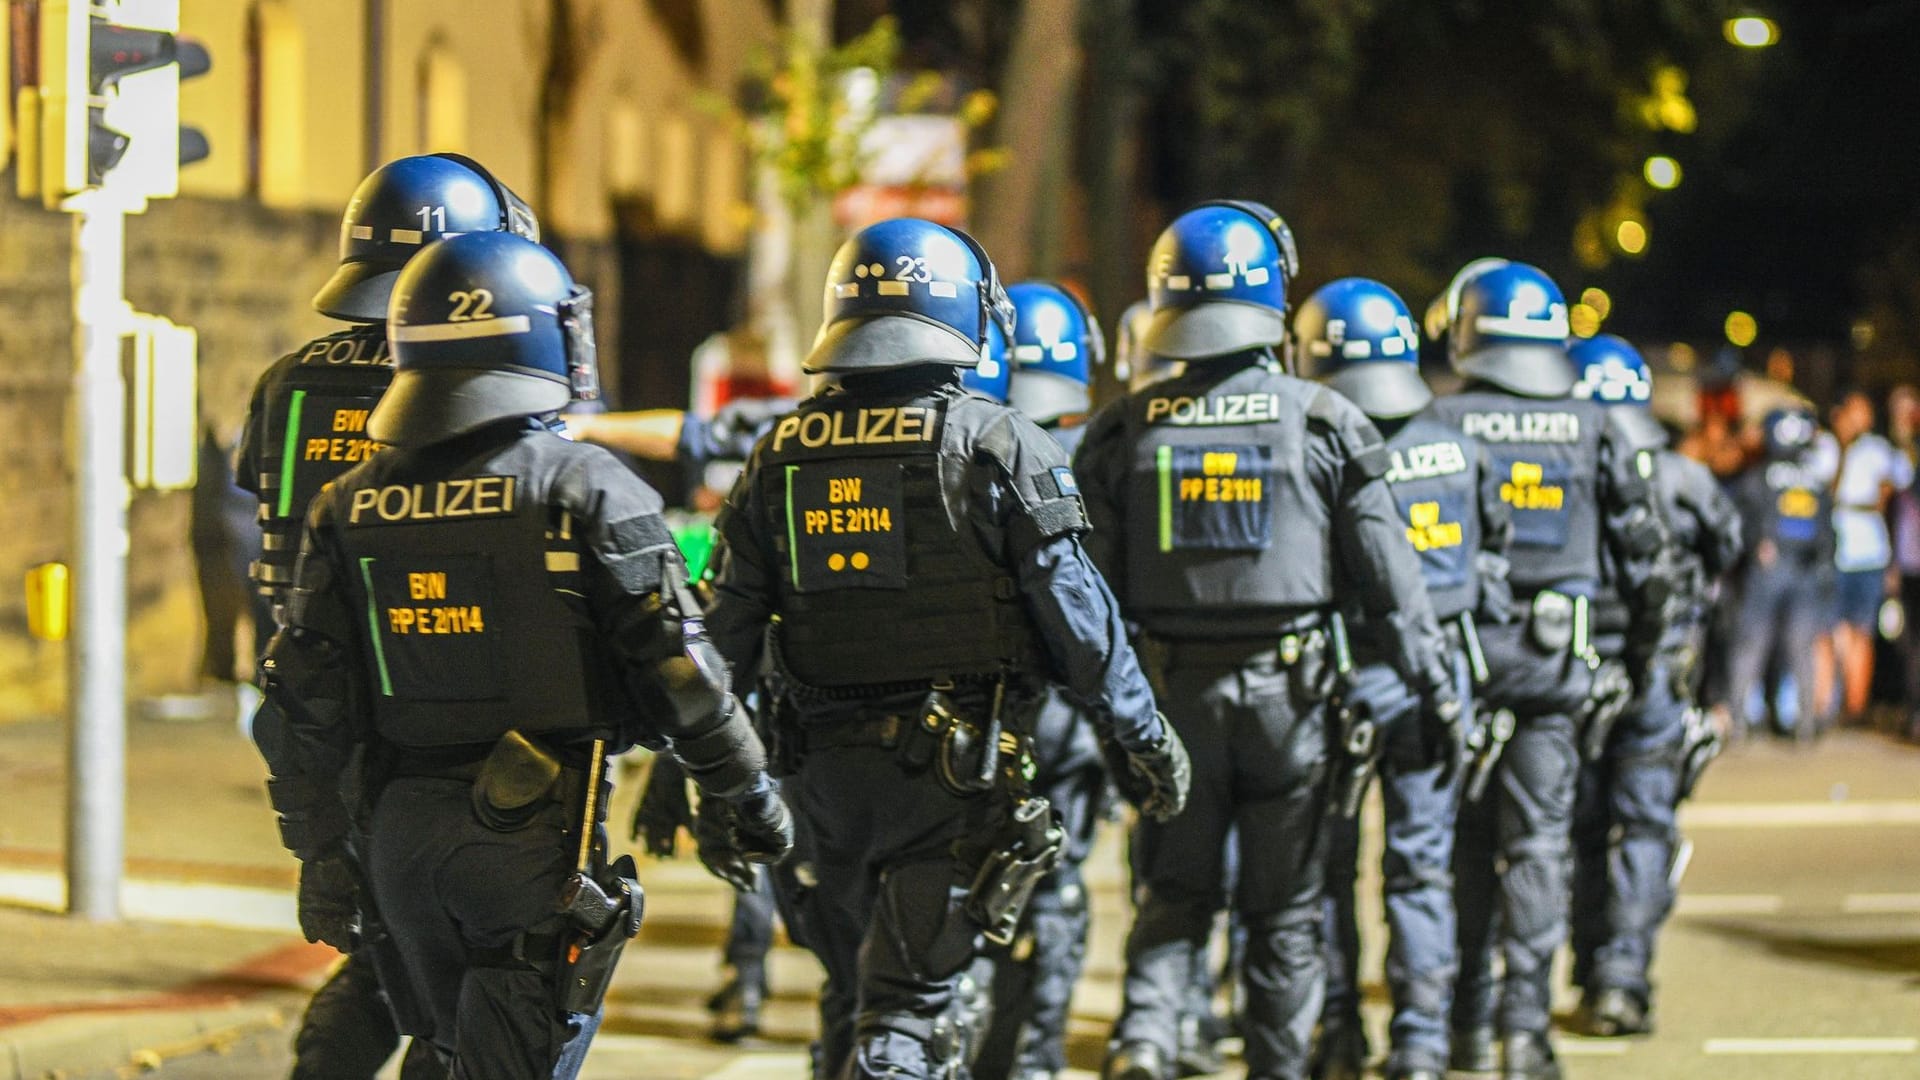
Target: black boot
1613,1013
1473,1051
736,1009
1199,1053
1136,1061
1528,1056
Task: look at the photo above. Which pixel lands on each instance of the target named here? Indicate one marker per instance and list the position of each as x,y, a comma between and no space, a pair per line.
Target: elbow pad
696,686
725,759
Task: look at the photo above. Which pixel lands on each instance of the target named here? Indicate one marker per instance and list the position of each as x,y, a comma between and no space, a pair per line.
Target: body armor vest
315,428
1221,517
1798,512
1546,454
883,582
469,576
1435,480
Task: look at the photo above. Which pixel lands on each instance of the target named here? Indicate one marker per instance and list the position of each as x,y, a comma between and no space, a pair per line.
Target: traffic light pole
97,653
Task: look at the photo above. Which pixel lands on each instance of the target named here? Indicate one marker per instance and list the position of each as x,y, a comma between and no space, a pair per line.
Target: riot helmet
1509,328
399,209
1358,336
1440,312
1133,364
1611,371
1788,432
1057,346
992,375
904,292
1217,281
484,326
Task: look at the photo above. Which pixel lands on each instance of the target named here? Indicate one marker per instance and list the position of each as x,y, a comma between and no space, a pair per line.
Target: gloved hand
664,808
1612,692
329,901
713,839
762,826
1443,731
1155,779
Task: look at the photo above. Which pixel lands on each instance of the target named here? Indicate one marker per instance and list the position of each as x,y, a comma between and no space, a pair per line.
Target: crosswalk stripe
1811,1046
1881,904
1727,904
1800,815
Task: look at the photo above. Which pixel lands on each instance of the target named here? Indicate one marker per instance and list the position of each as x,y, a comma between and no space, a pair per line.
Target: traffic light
107,110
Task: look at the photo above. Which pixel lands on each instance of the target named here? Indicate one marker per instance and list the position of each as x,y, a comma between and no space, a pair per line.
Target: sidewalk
210,962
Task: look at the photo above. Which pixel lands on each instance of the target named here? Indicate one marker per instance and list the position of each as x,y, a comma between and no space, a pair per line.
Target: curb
128,1043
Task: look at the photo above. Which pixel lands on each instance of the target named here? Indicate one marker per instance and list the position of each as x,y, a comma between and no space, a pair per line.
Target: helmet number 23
912,269
470,304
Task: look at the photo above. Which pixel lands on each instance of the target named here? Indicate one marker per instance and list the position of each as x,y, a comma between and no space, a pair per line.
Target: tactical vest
1435,481
315,429
1798,511
883,583
469,577
1546,454
1221,517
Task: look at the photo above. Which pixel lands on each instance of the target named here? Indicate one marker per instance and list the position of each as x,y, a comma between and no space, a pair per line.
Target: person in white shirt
1870,472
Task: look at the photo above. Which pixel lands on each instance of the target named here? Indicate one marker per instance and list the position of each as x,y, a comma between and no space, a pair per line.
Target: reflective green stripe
373,626
287,450
793,546
1163,462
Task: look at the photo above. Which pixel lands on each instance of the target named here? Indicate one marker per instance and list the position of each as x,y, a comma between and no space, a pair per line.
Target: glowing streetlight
1662,172
1741,328
1752,32
1631,235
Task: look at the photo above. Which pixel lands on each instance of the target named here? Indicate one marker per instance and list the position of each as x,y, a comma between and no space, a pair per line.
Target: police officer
1133,365
1786,576
920,547
1358,336
1624,833
1055,349
1579,495
1233,505
306,424
481,612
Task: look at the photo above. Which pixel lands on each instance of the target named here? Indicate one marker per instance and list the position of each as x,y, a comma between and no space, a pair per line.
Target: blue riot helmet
1358,336
1788,432
484,326
400,208
1509,328
905,292
993,375
1057,346
1611,371
1217,281
1440,313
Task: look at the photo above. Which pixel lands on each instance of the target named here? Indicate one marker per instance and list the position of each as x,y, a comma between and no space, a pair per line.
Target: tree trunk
1021,207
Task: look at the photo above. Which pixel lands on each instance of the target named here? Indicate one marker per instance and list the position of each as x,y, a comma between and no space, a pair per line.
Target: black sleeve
648,617
248,456
743,583
1720,527
1635,532
1372,560
1100,467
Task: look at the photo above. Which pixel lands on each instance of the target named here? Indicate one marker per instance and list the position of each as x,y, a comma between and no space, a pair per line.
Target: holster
514,782
1026,849
1360,746
602,916
1493,742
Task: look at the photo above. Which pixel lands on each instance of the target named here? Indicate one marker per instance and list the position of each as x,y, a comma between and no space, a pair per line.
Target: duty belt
1239,652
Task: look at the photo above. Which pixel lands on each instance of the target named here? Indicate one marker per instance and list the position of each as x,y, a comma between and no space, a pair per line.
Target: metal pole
375,57
96,689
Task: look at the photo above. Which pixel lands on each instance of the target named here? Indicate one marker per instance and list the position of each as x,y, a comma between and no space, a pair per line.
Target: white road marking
1574,1047
1811,1046
1727,904
1881,904
760,1067
233,906
1800,815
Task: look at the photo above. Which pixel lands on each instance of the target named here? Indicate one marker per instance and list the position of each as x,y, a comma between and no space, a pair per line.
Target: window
443,101
276,104
627,161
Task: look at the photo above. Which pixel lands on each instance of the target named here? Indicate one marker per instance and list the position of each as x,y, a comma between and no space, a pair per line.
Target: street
1795,952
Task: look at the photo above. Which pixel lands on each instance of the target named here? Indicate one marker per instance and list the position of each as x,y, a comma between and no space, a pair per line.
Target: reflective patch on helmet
943,288
895,288
1066,351
406,236
1179,281
1219,281
459,331
846,290
1258,275
361,232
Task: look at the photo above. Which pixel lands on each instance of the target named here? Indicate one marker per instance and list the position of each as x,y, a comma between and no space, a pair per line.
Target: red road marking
287,967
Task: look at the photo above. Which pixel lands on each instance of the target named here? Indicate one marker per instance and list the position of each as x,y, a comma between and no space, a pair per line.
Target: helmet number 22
470,304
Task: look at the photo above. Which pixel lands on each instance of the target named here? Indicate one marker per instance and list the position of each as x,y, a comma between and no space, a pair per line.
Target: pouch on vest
514,783
923,738
1550,623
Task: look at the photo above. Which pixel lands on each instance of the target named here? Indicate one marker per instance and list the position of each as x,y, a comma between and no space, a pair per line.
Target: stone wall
243,276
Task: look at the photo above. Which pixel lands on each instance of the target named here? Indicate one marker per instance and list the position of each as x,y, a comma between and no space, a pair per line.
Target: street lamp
1662,172
1752,32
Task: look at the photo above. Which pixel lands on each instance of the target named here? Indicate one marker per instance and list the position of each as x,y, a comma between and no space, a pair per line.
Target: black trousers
454,895
886,912
1259,747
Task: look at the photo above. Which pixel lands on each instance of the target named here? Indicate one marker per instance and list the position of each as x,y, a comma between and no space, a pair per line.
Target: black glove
1155,779
664,808
762,826
713,840
330,900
